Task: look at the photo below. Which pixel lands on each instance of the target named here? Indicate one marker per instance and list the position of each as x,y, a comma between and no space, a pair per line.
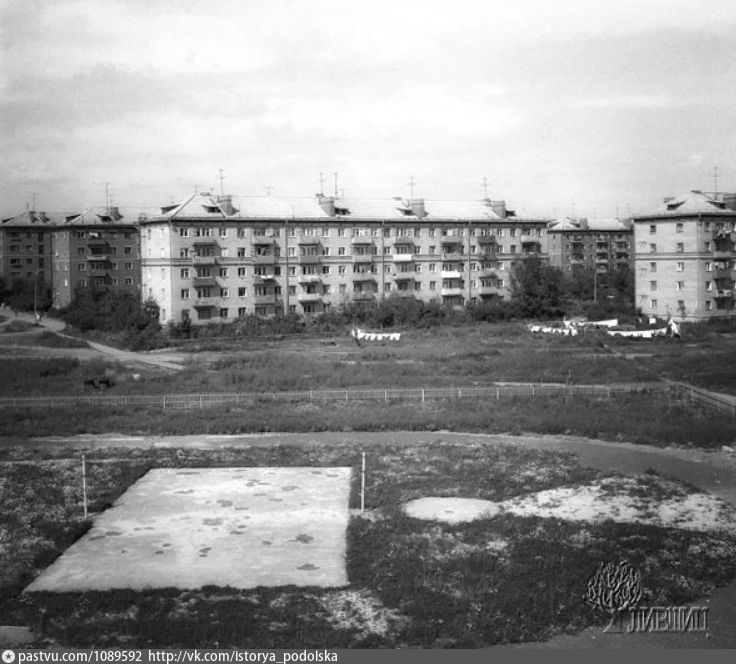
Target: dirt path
169,362
712,471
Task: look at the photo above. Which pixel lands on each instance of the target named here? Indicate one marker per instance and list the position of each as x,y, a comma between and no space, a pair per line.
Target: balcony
488,254
449,240
724,295
364,296
309,259
365,240
722,253
308,241
204,282
577,239
263,240
601,260
404,240
403,258
453,255
487,240
98,258
204,260
263,259
309,297
363,258
209,303
269,298
452,292
451,274
488,272
260,278
363,276
205,242
528,240
488,291
406,275
309,279
97,242
722,273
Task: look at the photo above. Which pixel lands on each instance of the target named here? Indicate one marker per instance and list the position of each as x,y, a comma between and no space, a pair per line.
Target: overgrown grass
652,419
16,326
412,583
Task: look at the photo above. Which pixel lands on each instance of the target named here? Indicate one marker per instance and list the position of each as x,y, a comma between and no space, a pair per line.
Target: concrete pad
191,527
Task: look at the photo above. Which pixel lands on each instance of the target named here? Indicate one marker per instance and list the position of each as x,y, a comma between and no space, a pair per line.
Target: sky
562,107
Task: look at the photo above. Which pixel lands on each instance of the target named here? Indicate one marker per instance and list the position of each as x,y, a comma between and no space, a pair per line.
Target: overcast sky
600,105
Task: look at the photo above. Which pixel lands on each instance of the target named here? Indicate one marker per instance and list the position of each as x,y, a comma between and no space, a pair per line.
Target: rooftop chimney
417,207
499,207
226,205
327,203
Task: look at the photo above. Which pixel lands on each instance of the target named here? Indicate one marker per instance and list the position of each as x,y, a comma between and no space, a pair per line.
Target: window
224,312
341,269
652,304
652,267
292,251
387,287
184,293
679,285
652,248
114,281
242,291
680,247
653,285
341,251
80,234
325,269
81,251
82,267
432,250
708,305
128,281
512,249
708,266
224,292
652,229
241,272
223,232
431,232
128,265
292,290
325,232
127,251
183,253
340,232
680,227
432,285
82,282
707,246
681,305
225,252
241,311
680,266
708,285
343,289
292,271
223,272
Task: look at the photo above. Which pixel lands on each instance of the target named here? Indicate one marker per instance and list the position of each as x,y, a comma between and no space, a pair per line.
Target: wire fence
723,403
190,401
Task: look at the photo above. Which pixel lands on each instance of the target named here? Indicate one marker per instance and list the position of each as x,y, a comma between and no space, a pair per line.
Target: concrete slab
191,527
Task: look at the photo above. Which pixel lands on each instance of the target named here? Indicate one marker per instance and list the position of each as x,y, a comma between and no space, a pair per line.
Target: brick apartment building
685,257
216,258
98,247
603,245
25,248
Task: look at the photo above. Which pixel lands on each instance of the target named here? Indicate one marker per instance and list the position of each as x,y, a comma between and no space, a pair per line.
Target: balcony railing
364,296
269,298
206,303
402,258
263,259
453,255
722,253
406,275
310,259
486,239
487,291
362,239
308,240
488,272
309,297
203,282
98,258
258,278
204,260
451,274
309,279
446,240
724,295
363,258
262,240
452,292
364,276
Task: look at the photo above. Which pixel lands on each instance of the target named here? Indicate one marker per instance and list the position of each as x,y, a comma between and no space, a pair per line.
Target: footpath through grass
412,583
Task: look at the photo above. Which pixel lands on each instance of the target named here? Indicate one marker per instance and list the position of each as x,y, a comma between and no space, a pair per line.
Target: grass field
412,583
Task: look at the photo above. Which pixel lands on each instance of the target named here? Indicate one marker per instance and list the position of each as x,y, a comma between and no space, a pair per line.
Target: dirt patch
642,500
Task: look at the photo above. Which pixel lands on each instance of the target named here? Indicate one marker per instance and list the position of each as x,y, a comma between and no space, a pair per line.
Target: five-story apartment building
215,258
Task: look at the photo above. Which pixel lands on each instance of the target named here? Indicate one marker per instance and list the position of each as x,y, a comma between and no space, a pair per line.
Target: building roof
28,218
694,202
207,206
99,215
579,224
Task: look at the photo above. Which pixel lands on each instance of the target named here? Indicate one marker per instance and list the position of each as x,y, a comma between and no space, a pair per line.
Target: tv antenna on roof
411,185
321,184
485,186
715,178
268,190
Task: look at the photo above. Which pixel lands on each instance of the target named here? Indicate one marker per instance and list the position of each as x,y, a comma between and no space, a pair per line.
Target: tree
536,288
29,294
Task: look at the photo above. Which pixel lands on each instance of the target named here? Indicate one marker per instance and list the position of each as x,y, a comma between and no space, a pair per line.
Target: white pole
362,485
84,486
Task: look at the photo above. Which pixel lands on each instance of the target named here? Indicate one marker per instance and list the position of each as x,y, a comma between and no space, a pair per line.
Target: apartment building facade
25,248
603,245
100,247
213,258
685,257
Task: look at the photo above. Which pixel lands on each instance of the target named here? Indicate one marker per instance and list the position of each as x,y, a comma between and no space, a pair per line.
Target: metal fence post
164,402
422,395
385,396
